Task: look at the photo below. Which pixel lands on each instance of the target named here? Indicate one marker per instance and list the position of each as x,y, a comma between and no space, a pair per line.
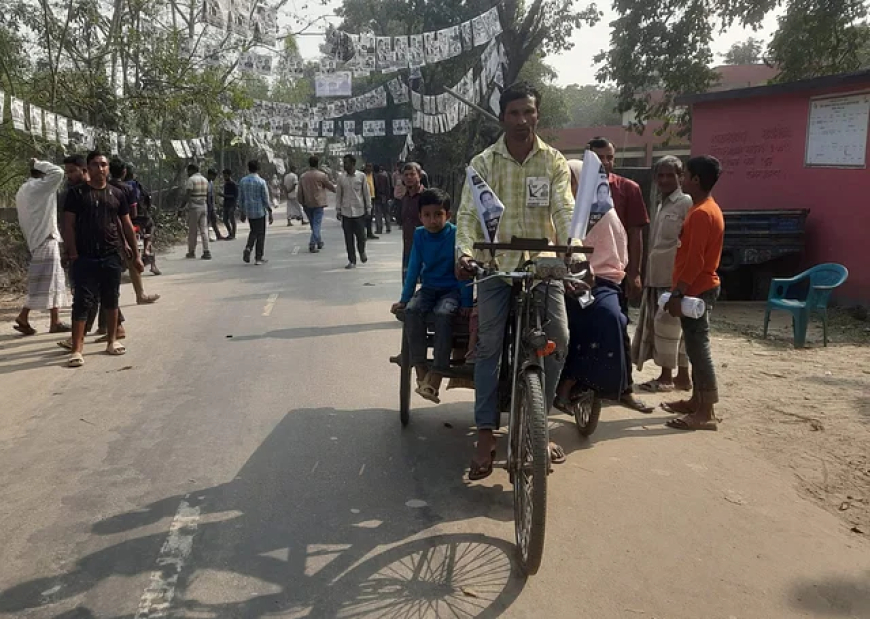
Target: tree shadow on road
296,333
316,521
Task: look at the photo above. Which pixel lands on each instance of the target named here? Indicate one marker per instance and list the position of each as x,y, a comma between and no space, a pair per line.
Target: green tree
816,39
744,52
590,106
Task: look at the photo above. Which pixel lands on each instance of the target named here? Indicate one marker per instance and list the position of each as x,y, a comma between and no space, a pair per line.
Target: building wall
761,142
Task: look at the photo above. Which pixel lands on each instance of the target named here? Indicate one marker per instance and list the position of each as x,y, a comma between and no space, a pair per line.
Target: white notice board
837,132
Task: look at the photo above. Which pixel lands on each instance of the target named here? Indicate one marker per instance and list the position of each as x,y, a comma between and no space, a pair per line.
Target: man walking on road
354,204
231,197
96,223
211,204
631,209
36,202
695,266
313,185
291,188
383,194
256,207
409,212
195,199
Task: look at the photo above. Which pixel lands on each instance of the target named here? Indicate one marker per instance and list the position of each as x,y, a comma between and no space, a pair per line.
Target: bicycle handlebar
523,244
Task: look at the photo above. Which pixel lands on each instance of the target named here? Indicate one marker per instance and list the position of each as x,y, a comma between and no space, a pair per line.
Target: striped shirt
254,197
197,191
523,217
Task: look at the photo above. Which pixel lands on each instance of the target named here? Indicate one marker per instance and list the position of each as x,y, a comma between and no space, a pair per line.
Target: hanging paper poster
349,127
35,121
401,126
338,84
178,148
62,130
215,13
430,46
489,208
50,127
383,49
313,130
493,23
467,36
265,25
328,128
16,107
2,105
454,39
263,64
416,56
593,196
479,28
400,48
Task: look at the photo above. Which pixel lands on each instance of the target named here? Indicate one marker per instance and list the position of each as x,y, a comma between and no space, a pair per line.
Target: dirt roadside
805,410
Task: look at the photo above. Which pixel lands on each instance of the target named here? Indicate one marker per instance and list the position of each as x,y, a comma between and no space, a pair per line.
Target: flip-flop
654,386
66,344
557,454
105,338
23,328
76,360
60,328
428,392
633,403
116,349
670,408
688,424
477,471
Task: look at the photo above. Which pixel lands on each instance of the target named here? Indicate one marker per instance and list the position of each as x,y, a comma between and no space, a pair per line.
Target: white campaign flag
489,207
593,196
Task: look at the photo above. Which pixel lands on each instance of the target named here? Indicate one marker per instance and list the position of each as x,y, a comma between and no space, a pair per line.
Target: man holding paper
533,183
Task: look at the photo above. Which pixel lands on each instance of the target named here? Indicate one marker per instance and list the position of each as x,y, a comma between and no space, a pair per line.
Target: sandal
478,471
557,454
116,349
66,344
690,423
428,392
634,403
680,407
76,360
655,386
105,338
23,328
60,328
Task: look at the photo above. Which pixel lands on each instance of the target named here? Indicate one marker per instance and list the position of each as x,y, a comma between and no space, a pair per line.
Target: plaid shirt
507,178
197,191
254,197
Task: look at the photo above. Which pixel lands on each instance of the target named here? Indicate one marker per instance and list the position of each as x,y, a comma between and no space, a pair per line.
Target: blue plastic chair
804,294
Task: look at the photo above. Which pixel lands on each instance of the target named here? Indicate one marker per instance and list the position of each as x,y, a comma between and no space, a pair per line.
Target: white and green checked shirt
508,179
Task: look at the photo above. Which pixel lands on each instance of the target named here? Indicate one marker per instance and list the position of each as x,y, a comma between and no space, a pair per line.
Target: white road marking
362,469
416,503
295,250
270,304
314,468
157,598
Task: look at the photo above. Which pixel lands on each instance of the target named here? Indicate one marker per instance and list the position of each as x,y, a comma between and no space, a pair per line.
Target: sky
575,66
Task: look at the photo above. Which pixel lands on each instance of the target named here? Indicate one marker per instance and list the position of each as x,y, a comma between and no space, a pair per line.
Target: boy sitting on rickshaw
432,261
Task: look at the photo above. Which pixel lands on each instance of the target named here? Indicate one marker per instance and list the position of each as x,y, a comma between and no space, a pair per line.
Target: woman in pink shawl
596,356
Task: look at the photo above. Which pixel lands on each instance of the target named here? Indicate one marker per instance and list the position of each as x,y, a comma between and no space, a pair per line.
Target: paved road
245,459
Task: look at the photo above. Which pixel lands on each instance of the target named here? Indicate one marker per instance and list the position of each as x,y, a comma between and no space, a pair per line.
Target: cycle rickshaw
521,386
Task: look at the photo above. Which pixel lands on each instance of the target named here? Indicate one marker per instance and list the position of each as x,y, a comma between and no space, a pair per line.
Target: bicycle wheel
532,462
405,383
587,411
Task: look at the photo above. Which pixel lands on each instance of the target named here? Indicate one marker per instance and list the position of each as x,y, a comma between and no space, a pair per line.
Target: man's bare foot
680,407
683,385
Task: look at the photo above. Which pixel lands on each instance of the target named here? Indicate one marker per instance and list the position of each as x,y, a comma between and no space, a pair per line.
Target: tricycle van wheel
405,383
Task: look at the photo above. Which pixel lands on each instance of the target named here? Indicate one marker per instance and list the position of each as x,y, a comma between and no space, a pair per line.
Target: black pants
696,334
230,219
368,217
213,222
626,340
97,283
257,236
355,228
382,216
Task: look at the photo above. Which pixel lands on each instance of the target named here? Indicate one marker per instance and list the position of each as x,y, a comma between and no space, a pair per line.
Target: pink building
799,145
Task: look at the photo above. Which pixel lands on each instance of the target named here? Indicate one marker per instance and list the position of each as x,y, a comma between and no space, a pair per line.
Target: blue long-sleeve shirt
432,261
